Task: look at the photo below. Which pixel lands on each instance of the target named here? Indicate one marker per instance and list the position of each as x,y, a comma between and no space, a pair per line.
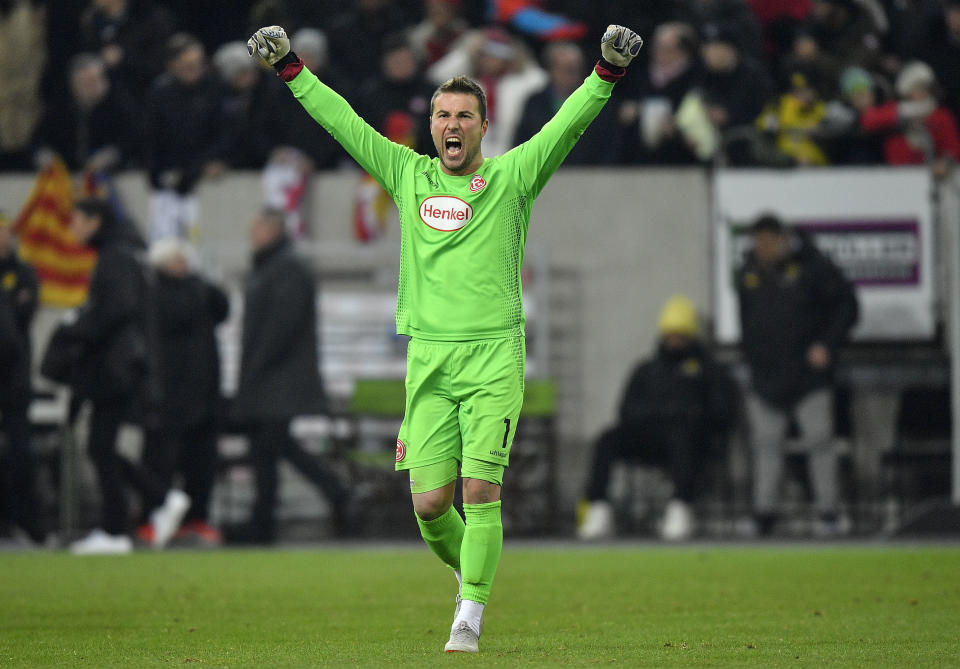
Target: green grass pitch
552,605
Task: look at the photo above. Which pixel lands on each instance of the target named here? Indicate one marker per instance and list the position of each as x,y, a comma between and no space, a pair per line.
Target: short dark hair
768,223
464,85
96,208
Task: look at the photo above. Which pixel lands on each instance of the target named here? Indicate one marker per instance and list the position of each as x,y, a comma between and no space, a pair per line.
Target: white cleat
677,521
167,518
99,542
463,640
597,523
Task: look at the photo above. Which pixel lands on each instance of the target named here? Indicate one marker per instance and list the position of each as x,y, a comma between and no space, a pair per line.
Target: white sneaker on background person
99,542
166,519
677,521
597,522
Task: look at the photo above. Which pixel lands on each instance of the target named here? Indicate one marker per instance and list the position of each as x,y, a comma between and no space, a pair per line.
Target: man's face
770,247
90,85
83,227
189,66
457,131
675,341
719,56
263,232
566,70
952,17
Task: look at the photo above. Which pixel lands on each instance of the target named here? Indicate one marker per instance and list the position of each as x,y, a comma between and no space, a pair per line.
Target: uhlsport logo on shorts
445,213
401,450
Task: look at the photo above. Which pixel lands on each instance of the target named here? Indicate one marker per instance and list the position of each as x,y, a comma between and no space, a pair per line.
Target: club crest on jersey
445,213
401,450
477,184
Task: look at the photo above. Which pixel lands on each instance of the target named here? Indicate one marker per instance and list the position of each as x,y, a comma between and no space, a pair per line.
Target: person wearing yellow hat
675,403
18,303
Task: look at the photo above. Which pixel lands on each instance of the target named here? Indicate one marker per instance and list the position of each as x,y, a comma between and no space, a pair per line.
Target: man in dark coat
183,136
18,303
110,326
186,311
675,406
566,65
796,309
279,372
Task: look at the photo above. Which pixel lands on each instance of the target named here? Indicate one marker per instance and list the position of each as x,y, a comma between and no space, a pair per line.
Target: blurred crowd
166,86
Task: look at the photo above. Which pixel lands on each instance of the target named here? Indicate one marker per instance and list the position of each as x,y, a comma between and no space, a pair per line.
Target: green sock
444,536
480,554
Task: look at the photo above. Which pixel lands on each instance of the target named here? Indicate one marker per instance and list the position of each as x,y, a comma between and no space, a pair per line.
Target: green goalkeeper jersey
462,237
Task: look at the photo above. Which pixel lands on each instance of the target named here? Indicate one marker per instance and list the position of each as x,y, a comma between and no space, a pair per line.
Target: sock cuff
486,513
451,517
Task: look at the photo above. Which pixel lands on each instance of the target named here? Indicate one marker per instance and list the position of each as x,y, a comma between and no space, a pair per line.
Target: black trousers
114,471
190,450
678,448
270,440
18,503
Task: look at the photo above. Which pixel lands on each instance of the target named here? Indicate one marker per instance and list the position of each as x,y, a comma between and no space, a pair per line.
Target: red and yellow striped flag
43,226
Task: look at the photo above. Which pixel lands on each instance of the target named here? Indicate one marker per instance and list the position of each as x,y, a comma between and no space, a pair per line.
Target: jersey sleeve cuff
289,66
609,72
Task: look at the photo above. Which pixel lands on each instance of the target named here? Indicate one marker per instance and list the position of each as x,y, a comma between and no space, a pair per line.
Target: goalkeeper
464,223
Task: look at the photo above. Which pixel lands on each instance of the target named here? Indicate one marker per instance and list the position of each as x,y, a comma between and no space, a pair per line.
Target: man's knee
432,504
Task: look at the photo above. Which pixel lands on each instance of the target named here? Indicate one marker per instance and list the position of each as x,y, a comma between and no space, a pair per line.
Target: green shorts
463,400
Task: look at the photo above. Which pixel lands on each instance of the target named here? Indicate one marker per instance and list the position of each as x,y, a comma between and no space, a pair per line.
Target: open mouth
452,147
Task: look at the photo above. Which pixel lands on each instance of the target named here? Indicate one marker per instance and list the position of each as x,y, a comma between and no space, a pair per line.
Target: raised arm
376,154
541,155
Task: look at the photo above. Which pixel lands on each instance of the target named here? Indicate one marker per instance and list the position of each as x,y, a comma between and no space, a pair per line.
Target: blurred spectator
96,128
650,133
738,19
567,67
111,327
793,122
18,303
357,35
849,143
184,137
677,405
939,46
186,311
442,26
250,102
918,130
397,101
293,127
779,20
21,68
503,68
279,374
796,309
848,32
805,54
130,36
734,87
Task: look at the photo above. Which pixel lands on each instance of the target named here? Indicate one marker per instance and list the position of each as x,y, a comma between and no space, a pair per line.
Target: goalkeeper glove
270,43
620,45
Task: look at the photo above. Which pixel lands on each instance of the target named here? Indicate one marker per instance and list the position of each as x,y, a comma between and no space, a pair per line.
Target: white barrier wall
632,236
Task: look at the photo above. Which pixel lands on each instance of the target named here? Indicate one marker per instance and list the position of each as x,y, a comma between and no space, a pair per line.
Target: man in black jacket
187,308
279,372
675,406
183,136
18,303
111,328
796,309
